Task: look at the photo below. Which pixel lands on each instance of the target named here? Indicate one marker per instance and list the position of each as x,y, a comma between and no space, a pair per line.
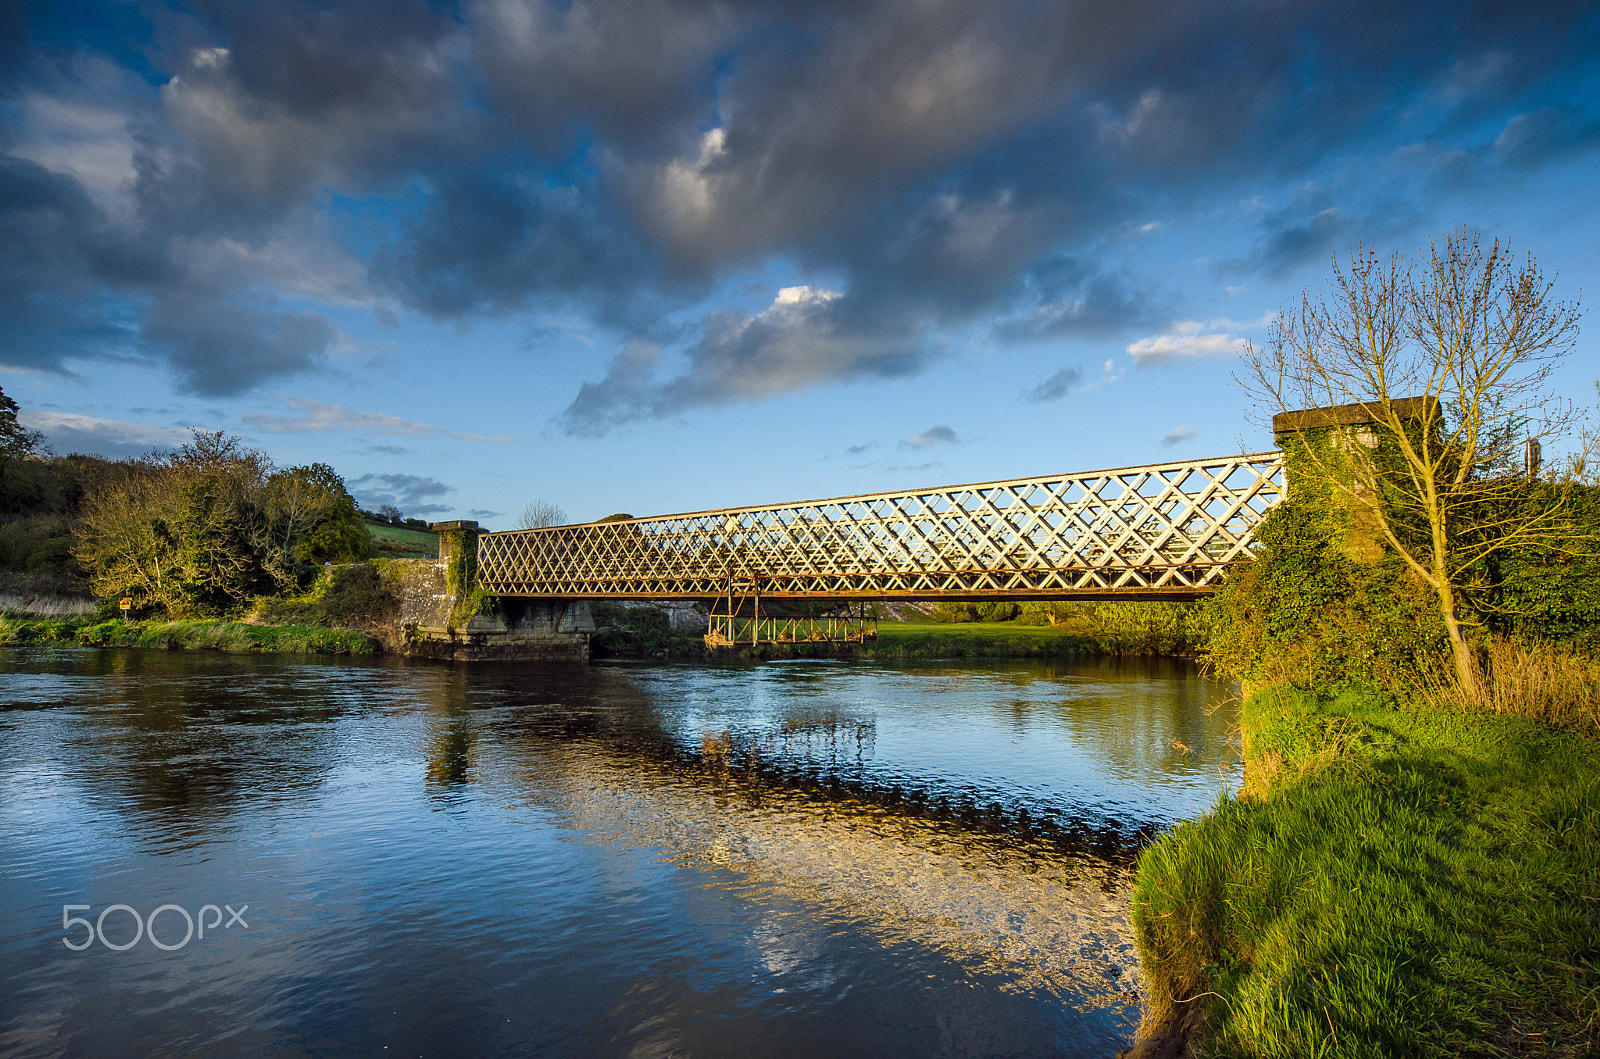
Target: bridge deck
1164,531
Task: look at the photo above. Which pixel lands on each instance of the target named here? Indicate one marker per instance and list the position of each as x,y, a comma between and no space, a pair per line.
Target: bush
637,632
1307,615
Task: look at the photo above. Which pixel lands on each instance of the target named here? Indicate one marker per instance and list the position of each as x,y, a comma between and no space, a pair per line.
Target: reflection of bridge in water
1160,532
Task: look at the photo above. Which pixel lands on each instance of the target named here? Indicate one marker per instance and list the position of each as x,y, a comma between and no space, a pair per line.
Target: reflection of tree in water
182,741
1130,711
452,738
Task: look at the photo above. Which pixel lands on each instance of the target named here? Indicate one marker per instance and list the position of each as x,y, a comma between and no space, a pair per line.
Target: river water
791,859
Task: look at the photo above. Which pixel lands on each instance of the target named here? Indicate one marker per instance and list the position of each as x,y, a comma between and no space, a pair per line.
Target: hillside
395,542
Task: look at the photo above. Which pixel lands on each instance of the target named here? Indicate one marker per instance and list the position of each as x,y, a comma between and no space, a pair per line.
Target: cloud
913,467
1057,385
1189,340
1547,134
314,416
1177,436
111,438
1312,226
937,435
317,415
413,494
208,188
1069,296
806,337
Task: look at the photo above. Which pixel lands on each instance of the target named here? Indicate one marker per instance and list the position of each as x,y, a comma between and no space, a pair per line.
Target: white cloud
1178,435
314,416
101,437
803,295
1192,340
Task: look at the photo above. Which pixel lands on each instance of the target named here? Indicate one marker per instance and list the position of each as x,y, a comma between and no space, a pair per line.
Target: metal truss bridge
1166,531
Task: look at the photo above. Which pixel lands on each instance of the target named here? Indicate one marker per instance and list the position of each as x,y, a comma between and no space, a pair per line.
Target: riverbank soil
1392,881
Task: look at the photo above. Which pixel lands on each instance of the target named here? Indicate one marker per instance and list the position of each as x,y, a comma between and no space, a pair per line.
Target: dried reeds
1537,681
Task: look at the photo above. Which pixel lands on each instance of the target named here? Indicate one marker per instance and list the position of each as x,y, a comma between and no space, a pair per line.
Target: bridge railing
1166,530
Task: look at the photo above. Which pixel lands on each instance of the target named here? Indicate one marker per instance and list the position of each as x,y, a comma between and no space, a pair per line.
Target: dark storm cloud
951,167
59,251
494,242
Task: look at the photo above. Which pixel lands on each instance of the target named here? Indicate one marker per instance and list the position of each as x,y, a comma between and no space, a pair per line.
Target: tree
315,518
1583,465
207,528
541,514
1474,335
17,443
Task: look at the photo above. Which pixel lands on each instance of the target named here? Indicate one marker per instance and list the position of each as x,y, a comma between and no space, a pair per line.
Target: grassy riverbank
1393,881
230,636
980,640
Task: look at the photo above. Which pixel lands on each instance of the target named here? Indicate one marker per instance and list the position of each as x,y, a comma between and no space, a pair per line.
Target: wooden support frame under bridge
736,620
1167,531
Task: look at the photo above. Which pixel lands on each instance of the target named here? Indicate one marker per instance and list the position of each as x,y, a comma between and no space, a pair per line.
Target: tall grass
48,606
1418,882
1538,681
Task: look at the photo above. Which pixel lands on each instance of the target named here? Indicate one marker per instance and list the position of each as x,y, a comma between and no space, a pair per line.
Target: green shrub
637,632
1306,614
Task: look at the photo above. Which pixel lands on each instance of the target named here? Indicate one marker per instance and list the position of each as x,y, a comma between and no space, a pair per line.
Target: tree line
203,530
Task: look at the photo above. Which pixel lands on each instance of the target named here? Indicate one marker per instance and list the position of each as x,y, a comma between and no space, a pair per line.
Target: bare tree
1583,463
541,514
1476,336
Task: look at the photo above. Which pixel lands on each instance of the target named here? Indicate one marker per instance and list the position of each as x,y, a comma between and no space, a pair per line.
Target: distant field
396,543
979,640
970,629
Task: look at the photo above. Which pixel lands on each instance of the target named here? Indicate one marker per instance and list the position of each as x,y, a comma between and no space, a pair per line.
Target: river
790,859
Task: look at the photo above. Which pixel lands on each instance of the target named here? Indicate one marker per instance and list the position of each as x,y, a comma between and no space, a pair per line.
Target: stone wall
437,620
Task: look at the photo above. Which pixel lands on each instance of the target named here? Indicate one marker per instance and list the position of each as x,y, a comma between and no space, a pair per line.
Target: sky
652,256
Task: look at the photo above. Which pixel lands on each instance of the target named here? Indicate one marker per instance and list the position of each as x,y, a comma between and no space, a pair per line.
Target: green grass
395,542
978,640
235,637
1397,882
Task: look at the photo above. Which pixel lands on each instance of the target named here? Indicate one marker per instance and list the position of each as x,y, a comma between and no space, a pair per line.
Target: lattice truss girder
1170,528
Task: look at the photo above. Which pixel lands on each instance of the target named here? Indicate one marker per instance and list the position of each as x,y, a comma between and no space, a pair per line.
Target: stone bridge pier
448,617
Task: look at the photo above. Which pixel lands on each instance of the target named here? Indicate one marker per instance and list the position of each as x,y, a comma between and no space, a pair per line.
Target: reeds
32,606
1538,681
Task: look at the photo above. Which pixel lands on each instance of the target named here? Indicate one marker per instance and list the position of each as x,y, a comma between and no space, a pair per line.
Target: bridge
1167,531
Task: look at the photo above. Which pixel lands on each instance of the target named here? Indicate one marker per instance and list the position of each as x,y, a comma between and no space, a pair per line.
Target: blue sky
653,256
